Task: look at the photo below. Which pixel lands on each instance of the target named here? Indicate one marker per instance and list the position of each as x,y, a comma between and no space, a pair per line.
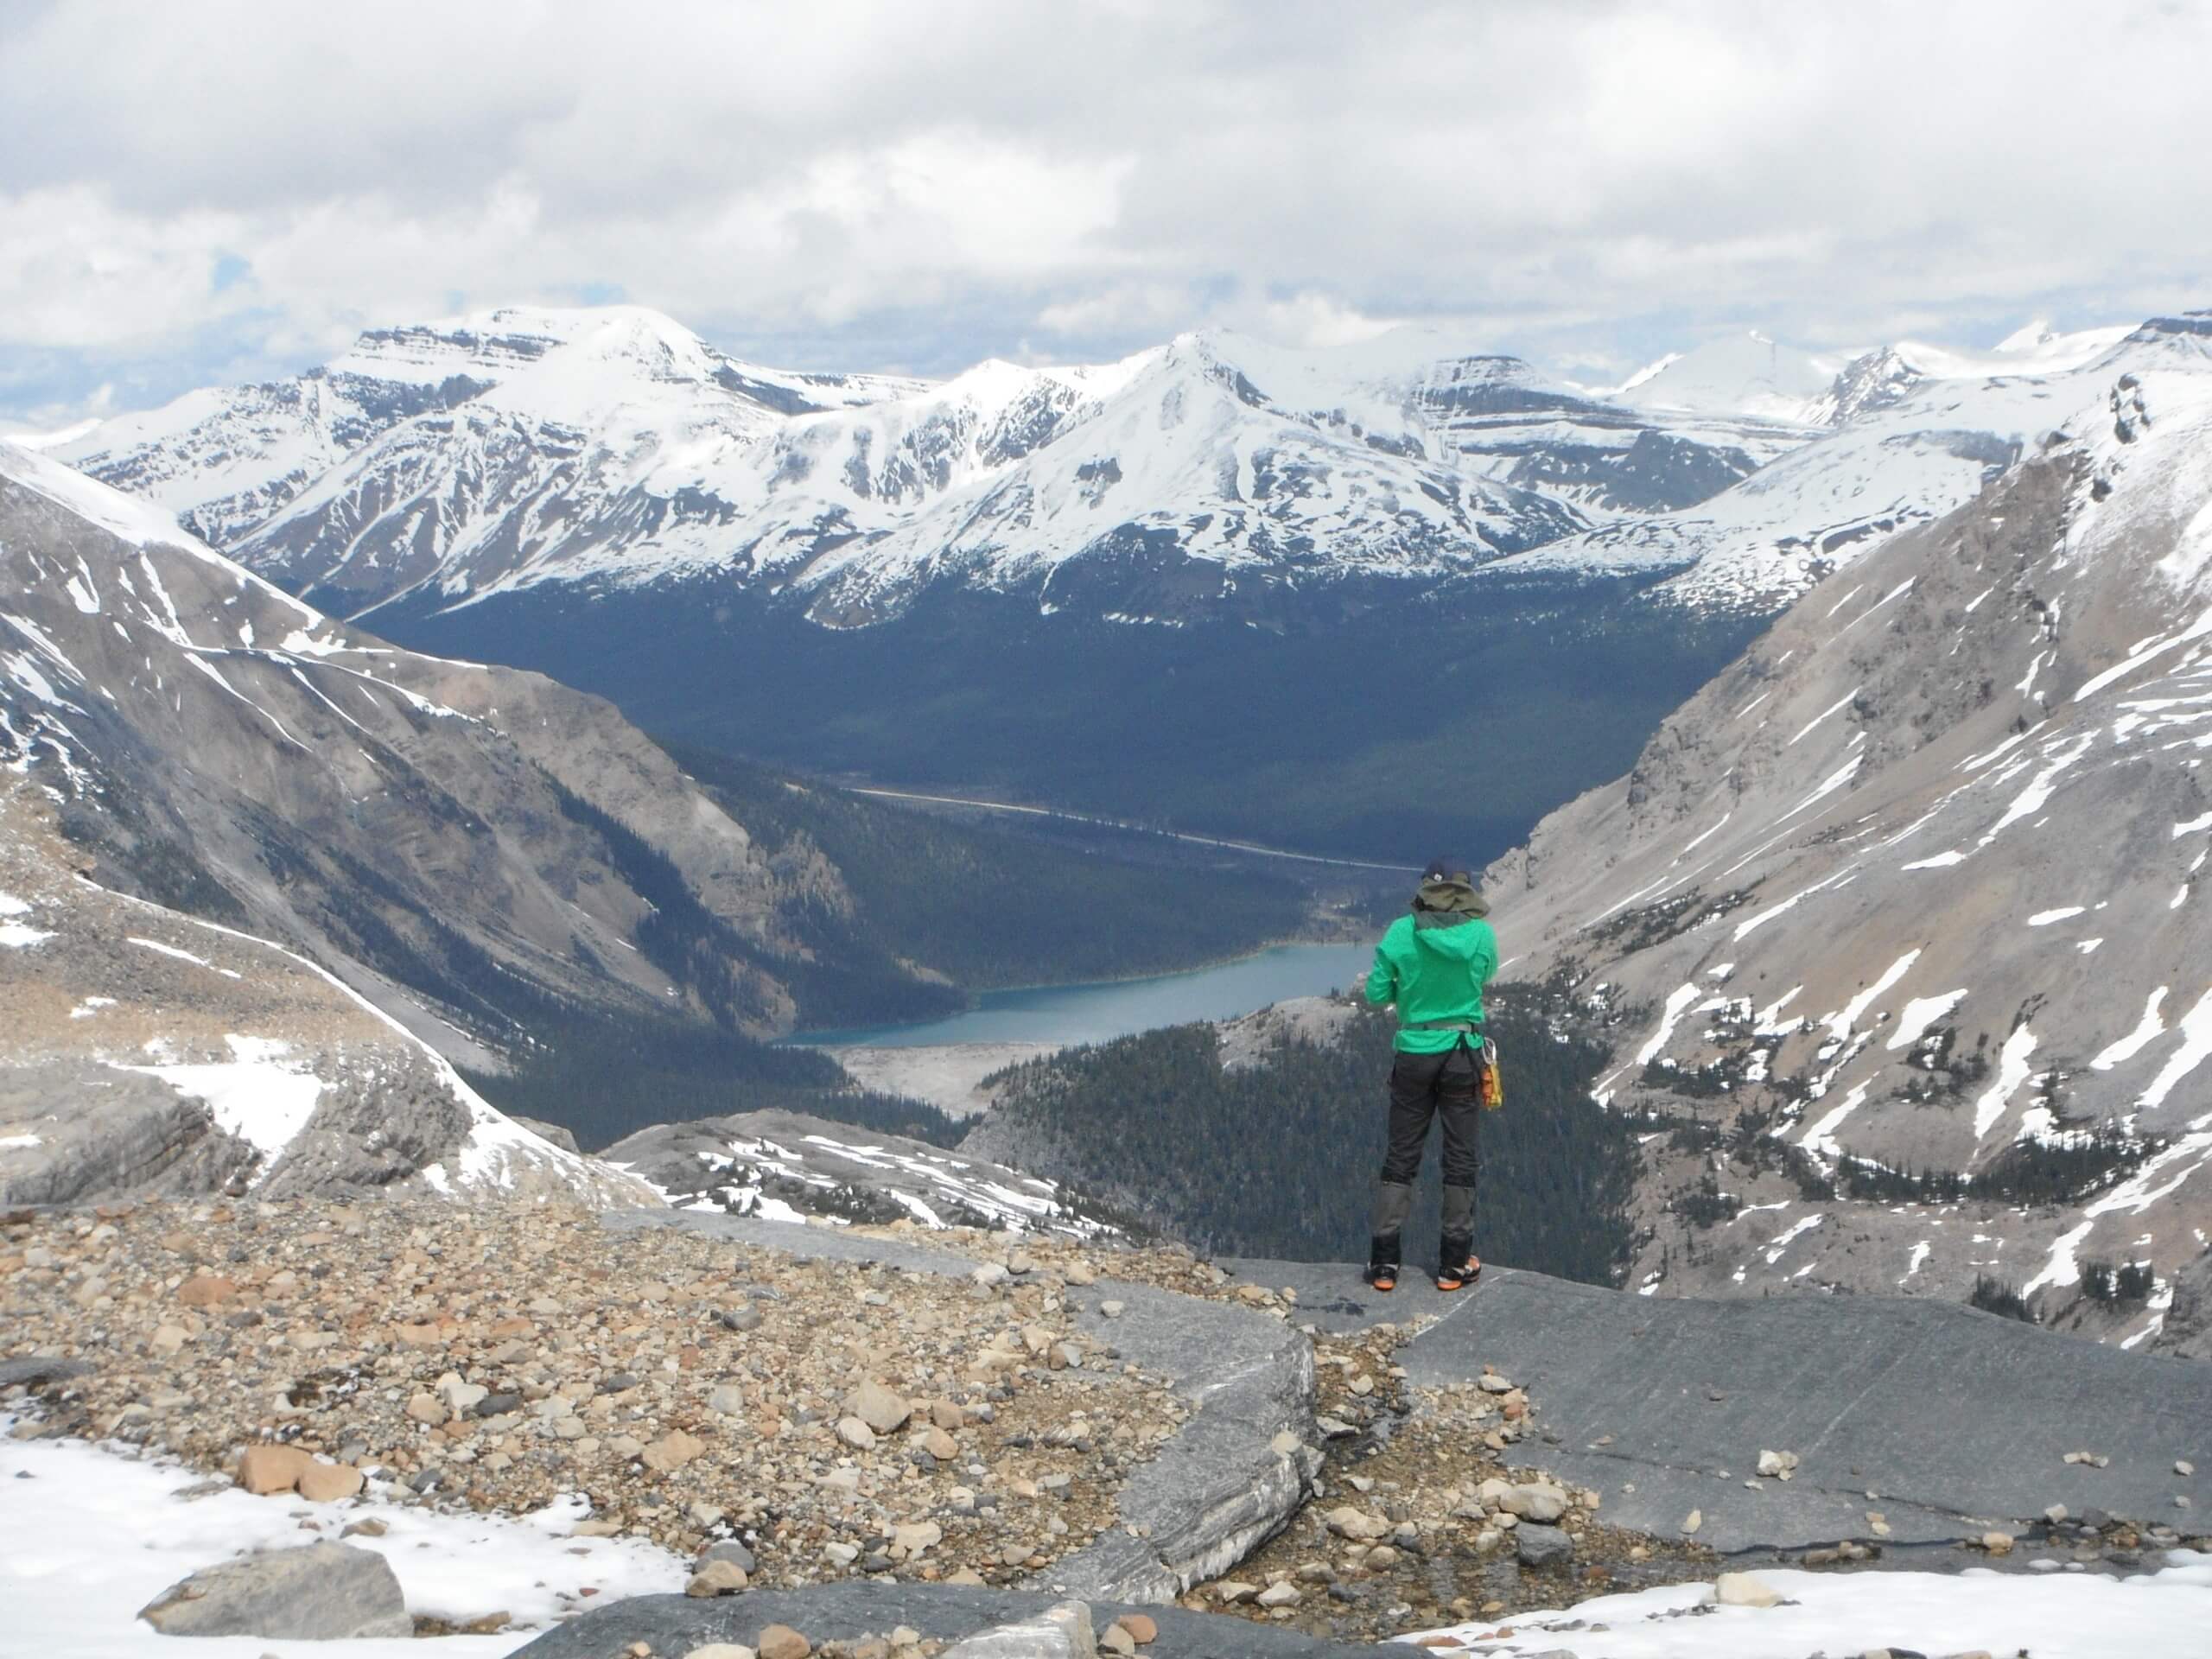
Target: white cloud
243,183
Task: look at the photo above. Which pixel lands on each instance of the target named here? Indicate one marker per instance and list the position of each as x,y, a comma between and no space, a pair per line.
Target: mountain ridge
1987,1073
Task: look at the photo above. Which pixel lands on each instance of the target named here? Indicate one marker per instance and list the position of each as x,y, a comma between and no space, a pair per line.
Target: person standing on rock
1433,963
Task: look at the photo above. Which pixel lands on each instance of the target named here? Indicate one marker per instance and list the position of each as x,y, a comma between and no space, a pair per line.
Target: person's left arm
1382,977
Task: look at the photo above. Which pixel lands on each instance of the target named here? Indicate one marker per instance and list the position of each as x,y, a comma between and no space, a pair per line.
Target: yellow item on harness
1493,1084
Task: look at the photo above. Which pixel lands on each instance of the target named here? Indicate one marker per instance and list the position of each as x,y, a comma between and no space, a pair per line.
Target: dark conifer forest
1279,1160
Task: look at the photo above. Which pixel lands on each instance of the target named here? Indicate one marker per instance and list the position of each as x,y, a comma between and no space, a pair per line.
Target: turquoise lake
1062,1014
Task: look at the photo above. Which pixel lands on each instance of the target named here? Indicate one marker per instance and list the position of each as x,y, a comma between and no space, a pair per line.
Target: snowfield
2165,1614
91,1534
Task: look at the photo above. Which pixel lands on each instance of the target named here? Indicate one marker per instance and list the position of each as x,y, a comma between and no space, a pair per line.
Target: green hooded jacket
1434,964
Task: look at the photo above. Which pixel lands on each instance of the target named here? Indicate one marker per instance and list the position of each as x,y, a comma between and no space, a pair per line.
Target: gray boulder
31,1373
1542,1546
321,1592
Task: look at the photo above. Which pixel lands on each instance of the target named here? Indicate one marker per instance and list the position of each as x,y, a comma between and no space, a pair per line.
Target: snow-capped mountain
436,466
1913,433
1909,902
441,465
1743,374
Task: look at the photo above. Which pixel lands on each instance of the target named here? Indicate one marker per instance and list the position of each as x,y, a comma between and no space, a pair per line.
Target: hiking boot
1460,1269
1383,1266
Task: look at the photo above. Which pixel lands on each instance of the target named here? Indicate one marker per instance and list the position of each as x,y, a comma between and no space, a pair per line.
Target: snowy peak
443,465
1878,380
1747,374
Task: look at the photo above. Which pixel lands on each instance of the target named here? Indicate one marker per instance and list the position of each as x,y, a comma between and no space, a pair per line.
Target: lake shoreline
1000,1016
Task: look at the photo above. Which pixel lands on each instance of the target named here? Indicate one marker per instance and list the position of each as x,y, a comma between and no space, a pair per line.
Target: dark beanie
1448,869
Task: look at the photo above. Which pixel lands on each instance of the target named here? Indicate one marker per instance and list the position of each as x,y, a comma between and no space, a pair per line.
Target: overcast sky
209,192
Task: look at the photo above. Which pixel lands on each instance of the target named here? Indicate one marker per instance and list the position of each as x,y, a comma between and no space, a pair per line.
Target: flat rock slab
321,1592
1953,1420
1217,1490
949,1612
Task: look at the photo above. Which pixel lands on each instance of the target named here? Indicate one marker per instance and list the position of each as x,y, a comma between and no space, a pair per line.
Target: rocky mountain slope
787,1166
1906,908
479,856
144,1051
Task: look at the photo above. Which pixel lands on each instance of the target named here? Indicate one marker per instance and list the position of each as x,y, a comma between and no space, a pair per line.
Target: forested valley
1278,1159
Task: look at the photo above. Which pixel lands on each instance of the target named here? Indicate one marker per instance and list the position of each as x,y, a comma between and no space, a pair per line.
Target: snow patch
260,1095
89,1535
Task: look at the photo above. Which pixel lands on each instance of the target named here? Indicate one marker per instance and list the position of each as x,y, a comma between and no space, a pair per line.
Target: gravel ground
500,1356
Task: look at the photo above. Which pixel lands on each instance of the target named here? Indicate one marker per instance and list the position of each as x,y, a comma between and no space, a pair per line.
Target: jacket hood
1451,935
1454,897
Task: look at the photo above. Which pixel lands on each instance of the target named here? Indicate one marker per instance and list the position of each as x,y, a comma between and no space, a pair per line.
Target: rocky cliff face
145,1052
1908,902
468,845
249,853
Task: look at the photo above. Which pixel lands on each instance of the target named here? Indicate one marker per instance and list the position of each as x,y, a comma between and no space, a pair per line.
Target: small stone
265,1470
329,1483
1692,1522
428,1408
1778,1465
1117,1640
856,1434
1491,1383
884,1412
1997,1543
1355,1525
1743,1590
1112,1310
2054,1513
717,1578
206,1290
722,1650
1380,1558
2184,1467
728,1399
730,1550
672,1451
1280,1595
1230,1592
1142,1627
990,1275
940,1445
1080,1273
1541,1545
918,1537
781,1642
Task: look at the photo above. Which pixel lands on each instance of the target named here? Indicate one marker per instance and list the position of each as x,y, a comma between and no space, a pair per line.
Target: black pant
1425,1086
